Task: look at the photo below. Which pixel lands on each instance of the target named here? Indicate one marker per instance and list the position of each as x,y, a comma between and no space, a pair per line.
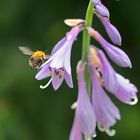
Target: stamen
88,137
134,100
102,129
45,86
74,105
109,132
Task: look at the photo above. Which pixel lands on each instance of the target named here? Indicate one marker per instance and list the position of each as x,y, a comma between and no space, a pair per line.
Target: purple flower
58,65
117,84
117,55
111,30
75,133
106,112
84,111
100,9
103,76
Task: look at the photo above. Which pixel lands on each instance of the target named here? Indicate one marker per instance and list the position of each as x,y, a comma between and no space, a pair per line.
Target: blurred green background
26,111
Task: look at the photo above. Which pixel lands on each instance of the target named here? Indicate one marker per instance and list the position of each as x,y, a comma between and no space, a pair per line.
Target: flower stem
86,37
85,47
86,41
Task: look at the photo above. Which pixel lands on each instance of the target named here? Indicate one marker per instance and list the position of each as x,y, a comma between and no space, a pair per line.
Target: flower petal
84,111
67,60
111,30
102,10
68,79
57,61
108,72
57,81
43,73
117,55
117,84
75,133
106,112
96,2
125,91
58,45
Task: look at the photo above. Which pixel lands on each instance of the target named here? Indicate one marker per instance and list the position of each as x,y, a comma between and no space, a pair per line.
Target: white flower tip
130,65
134,100
37,77
73,22
45,86
119,44
94,135
87,137
74,105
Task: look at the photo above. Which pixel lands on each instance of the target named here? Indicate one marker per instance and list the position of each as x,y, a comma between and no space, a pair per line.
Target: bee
37,57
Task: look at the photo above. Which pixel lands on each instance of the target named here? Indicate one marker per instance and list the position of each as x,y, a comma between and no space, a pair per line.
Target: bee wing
47,56
26,50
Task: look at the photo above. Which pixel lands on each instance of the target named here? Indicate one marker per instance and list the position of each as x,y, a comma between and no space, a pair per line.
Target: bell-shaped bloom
111,30
106,112
58,66
117,84
117,55
75,133
84,111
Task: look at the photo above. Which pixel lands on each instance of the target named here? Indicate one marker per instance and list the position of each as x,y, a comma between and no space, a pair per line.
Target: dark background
26,111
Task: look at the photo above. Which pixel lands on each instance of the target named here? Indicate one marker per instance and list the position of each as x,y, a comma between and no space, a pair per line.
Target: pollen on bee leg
45,86
74,105
134,100
109,132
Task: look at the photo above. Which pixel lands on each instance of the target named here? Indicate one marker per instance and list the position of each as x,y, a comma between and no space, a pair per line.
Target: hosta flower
84,111
111,30
117,55
103,76
103,14
116,83
106,112
58,65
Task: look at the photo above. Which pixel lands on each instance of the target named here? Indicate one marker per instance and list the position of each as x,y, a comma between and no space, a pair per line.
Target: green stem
86,41
86,37
85,47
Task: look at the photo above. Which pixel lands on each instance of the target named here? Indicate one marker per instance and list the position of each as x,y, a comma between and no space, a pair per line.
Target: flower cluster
98,109
93,107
